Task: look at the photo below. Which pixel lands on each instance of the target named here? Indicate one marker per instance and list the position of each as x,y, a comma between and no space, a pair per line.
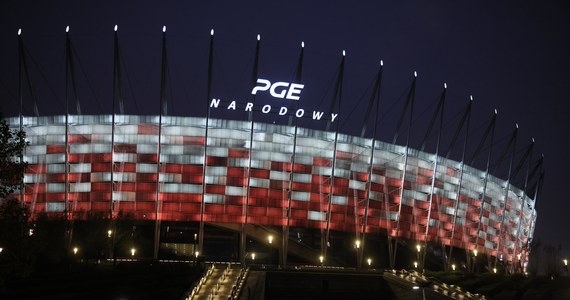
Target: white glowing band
287,90
116,27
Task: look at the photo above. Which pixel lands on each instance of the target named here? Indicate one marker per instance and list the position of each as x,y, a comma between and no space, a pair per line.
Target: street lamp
495,270
565,261
75,249
252,257
475,252
1,249
133,250
270,239
415,264
321,259
419,250
357,244
109,232
369,260
453,267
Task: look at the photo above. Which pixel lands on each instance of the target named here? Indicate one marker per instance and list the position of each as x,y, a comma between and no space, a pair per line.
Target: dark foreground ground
154,280
125,280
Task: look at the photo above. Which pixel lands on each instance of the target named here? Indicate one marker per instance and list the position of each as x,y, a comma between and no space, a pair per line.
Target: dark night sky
512,55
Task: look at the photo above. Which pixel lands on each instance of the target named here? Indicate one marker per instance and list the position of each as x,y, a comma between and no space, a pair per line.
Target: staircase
220,281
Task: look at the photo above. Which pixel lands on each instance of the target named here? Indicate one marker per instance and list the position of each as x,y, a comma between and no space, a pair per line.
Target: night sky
513,56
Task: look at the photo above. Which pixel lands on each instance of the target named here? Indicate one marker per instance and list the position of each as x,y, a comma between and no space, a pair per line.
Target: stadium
314,194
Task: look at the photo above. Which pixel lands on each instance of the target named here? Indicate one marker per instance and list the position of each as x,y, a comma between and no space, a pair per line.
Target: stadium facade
290,182
213,170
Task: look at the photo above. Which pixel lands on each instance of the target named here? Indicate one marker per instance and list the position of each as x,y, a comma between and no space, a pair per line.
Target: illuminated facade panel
129,177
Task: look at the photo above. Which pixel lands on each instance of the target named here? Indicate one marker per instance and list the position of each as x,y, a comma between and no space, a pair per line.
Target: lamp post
357,247
419,252
270,241
475,252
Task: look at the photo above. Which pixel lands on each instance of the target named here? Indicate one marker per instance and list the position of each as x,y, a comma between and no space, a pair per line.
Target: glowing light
321,259
212,32
19,31
519,256
116,28
253,256
381,63
270,239
445,85
75,250
453,267
109,232
418,247
471,97
496,112
369,261
302,44
517,125
31,232
67,29
133,250
415,74
1,249
565,261
197,253
416,287
163,28
475,252
357,244
343,53
415,264
495,270
532,140
259,37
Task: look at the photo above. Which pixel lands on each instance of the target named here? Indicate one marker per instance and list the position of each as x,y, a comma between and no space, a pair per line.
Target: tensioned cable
126,71
86,78
44,77
359,100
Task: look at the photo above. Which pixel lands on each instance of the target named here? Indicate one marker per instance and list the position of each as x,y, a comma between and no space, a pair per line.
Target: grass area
506,287
125,280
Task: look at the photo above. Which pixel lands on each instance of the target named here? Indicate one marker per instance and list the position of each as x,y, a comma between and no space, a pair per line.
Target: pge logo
279,89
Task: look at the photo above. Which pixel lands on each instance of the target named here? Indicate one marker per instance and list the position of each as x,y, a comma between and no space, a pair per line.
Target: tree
15,234
12,145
